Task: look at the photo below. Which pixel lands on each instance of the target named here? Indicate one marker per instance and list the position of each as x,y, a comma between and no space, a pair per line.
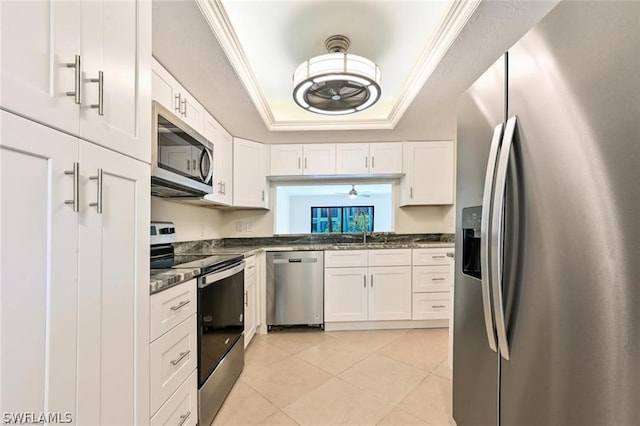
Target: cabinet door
40,39
249,174
250,315
113,323
116,40
390,293
38,270
352,158
165,88
429,172
286,160
385,158
319,159
345,294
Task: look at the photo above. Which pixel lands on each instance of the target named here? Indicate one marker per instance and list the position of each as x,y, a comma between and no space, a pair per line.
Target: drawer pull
438,257
184,417
180,305
180,358
437,279
438,306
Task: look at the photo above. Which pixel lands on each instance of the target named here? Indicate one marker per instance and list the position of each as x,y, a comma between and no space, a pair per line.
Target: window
342,219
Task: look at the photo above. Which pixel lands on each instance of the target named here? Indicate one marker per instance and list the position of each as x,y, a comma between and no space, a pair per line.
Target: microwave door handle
497,236
207,175
485,230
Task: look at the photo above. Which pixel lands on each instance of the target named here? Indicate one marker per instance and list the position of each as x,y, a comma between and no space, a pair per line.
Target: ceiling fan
353,193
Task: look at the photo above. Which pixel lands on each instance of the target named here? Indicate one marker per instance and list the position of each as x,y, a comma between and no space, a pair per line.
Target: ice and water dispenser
471,222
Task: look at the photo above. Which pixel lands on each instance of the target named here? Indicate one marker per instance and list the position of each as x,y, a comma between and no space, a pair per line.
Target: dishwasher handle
297,260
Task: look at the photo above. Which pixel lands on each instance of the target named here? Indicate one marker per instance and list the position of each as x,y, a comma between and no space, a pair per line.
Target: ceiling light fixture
337,83
353,193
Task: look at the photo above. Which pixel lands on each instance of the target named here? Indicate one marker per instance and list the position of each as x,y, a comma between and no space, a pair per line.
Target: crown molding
460,11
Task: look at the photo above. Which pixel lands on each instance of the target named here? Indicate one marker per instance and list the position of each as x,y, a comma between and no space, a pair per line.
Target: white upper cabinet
250,187
222,159
382,158
429,173
308,159
170,93
81,67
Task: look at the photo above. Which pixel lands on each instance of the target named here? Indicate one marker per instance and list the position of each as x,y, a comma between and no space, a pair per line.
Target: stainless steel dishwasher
295,288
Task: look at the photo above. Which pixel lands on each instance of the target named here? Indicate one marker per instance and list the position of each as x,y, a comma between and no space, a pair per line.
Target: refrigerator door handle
485,230
497,227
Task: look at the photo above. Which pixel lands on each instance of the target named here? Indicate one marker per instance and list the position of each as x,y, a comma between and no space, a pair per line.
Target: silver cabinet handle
305,163
364,278
263,195
411,192
224,188
188,164
194,164
371,280
438,306
373,162
184,417
184,104
98,203
497,228
180,357
220,187
180,305
246,297
100,81
438,257
76,186
437,279
366,162
176,108
78,80
485,230
298,162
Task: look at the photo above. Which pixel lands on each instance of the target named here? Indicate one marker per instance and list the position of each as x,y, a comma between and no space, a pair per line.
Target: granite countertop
162,279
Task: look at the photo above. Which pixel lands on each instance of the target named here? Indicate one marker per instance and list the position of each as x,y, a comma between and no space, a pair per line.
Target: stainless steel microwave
181,158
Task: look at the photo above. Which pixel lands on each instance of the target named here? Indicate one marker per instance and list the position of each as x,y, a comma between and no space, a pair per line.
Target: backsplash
204,246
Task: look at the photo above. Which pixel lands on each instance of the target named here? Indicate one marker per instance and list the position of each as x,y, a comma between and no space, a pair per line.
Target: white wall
192,222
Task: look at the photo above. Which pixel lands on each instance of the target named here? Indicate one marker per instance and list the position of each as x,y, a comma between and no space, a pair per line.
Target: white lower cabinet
74,243
359,286
182,407
432,280
173,355
250,299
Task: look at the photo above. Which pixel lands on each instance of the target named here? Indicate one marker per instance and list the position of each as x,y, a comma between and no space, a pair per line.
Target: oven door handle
211,278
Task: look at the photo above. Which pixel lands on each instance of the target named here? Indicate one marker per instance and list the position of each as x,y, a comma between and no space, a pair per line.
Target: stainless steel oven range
220,322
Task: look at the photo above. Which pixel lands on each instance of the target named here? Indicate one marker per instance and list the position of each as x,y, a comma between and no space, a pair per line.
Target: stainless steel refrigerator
547,289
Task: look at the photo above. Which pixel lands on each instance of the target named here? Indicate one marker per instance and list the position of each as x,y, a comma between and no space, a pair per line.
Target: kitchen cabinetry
308,159
81,67
250,187
366,285
223,160
432,281
75,236
169,92
250,299
382,158
429,172
173,362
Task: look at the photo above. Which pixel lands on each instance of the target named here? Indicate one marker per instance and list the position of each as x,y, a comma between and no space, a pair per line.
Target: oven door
220,316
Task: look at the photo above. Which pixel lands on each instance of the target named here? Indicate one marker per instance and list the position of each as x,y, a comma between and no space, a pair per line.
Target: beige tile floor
311,377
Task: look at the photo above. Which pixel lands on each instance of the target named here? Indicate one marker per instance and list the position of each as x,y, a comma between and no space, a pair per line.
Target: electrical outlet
249,226
202,229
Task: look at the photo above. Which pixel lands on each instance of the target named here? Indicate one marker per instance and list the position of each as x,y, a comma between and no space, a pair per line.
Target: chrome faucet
363,223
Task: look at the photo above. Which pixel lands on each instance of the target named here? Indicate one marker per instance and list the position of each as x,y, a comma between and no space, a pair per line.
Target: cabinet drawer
172,360
432,256
390,257
345,258
428,306
172,306
182,407
431,278
249,266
